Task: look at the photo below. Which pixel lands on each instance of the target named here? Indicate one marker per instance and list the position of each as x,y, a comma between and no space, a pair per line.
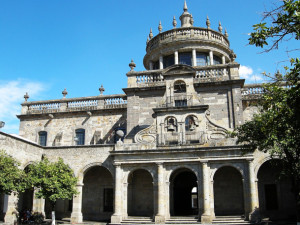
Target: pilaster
11,215
206,216
254,200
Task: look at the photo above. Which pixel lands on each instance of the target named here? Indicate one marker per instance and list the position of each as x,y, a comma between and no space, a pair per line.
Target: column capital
249,160
117,165
204,161
80,185
159,163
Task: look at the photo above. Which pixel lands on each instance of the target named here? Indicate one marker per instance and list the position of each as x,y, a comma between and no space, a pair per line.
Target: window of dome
202,59
168,61
217,60
185,58
156,65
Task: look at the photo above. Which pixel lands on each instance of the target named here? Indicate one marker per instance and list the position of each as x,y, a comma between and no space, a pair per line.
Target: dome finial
174,22
207,22
160,27
151,34
226,34
185,8
220,27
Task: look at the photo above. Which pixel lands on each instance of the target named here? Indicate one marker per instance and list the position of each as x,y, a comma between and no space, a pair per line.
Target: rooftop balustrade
185,33
74,104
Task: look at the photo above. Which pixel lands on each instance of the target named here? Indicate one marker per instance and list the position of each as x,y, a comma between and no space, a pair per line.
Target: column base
206,219
254,216
116,219
11,217
159,219
76,218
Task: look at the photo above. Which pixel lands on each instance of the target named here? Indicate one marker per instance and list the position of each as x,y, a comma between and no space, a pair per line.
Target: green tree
12,178
54,181
276,129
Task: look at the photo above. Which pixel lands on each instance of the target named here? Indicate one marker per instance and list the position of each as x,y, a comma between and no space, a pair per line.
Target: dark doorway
185,194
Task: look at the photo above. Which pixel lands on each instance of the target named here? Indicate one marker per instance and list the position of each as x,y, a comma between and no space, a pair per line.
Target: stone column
212,199
12,212
151,65
76,216
211,58
254,200
125,198
176,57
38,204
160,217
167,199
117,216
194,63
206,216
223,59
161,62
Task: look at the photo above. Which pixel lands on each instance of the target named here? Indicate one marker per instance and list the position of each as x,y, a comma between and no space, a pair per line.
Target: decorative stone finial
101,89
159,27
226,34
151,34
192,20
220,27
26,96
64,93
174,22
147,40
132,65
185,17
207,22
185,8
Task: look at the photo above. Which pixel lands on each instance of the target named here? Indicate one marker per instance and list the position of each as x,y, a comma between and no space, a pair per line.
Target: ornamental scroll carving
147,135
214,131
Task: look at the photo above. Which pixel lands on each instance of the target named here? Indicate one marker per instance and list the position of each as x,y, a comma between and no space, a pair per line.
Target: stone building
160,152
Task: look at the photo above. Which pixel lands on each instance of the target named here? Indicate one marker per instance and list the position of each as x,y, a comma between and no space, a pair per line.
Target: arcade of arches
183,193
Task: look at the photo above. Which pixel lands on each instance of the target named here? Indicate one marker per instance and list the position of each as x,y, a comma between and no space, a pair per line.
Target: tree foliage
54,180
276,129
285,24
12,178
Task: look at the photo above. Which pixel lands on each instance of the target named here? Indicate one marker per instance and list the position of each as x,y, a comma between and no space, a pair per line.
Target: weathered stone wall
102,123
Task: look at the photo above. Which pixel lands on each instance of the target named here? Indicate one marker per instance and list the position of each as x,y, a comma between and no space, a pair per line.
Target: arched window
43,138
79,136
191,123
202,59
179,86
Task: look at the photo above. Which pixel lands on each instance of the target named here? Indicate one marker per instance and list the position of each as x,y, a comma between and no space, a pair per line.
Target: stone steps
235,220
182,220
137,220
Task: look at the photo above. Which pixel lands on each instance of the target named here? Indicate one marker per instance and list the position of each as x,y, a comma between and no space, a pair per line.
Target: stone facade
162,149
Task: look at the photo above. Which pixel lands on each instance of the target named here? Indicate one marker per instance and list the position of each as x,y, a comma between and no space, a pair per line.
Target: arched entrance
183,193
97,194
25,201
228,192
276,200
140,193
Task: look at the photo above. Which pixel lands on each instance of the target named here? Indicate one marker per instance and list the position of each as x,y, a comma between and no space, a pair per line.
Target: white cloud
247,73
11,96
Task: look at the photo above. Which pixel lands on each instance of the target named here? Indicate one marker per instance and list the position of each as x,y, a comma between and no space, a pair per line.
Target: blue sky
49,45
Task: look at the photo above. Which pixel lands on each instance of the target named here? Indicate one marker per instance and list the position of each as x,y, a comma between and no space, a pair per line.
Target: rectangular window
80,136
43,138
168,61
185,58
108,200
271,197
202,59
180,103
